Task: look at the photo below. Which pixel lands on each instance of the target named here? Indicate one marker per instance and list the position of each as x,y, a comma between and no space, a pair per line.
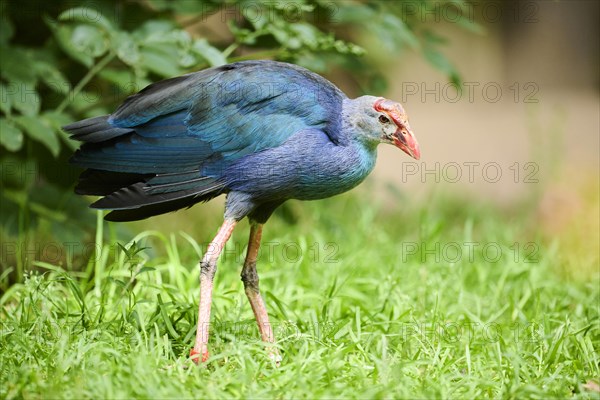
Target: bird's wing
150,153
236,109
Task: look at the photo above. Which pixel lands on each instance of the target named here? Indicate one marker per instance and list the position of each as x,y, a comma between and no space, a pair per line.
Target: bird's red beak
403,138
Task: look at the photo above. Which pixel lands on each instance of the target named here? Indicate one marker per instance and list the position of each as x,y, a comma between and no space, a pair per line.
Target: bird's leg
208,267
250,279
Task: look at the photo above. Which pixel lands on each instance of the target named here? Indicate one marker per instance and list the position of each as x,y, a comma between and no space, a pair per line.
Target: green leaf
47,211
354,13
86,15
177,37
52,77
471,26
243,35
439,60
161,59
5,99
402,35
85,101
312,61
307,33
63,35
431,38
57,121
11,137
125,80
23,97
281,35
39,130
209,53
89,40
119,282
126,48
146,269
462,16
16,196
161,5
180,7
166,318
6,30
14,64
152,30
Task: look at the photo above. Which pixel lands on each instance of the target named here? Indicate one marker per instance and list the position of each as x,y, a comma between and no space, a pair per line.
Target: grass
453,300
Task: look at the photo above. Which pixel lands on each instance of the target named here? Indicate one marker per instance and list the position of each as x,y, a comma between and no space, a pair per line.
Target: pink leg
208,266
250,279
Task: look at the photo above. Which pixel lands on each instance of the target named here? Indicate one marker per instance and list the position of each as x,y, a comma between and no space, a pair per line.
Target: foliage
356,314
63,61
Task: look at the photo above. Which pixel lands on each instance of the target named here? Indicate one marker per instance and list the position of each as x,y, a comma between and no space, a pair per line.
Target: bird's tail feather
147,211
136,179
134,196
140,195
97,182
94,130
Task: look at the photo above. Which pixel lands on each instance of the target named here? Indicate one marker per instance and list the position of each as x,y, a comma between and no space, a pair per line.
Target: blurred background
503,97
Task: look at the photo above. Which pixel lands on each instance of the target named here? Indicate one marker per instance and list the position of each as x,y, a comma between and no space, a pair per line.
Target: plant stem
84,81
230,49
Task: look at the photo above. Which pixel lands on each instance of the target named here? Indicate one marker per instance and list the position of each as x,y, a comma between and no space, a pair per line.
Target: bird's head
395,128
385,121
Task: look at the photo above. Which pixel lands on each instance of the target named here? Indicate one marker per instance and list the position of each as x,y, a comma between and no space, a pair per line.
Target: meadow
451,298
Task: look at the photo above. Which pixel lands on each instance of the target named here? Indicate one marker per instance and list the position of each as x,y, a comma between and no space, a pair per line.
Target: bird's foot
198,356
275,357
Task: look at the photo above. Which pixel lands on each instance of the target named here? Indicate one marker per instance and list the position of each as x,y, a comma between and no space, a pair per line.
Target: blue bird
261,132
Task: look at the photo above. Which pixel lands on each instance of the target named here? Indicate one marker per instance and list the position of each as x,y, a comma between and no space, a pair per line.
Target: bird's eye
383,119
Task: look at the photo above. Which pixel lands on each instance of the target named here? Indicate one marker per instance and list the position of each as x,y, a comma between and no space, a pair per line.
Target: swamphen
261,132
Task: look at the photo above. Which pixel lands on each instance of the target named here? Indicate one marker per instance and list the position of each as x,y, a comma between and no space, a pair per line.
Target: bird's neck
354,125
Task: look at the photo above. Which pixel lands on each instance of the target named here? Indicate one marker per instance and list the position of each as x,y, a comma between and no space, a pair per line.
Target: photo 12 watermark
60,252
470,172
470,91
490,12
452,252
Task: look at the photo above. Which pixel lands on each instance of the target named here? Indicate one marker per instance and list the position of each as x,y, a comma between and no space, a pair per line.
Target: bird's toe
275,357
198,356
